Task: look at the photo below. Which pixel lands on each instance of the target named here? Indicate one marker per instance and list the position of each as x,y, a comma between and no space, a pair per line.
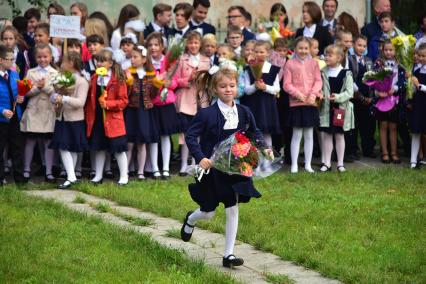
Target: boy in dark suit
162,18
182,13
365,123
199,14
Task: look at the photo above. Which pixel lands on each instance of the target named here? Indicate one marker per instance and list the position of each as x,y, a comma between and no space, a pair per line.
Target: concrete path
204,244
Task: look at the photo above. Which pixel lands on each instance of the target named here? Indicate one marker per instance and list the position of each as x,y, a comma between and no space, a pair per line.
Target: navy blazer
322,35
207,28
150,29
21,63
247,36
208,126
371,29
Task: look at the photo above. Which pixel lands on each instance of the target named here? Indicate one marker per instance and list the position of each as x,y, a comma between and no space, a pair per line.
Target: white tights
327,148
231,226
308,141
100,163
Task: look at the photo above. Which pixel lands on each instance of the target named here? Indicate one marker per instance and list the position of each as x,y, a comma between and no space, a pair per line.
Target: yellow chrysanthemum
397,41
157,83
412,39
101,71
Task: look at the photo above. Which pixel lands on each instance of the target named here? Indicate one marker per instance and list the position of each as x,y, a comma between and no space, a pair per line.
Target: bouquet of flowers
275,29
381,80
404,47
63,83
102,72
24,86
176,47
241,156
256,67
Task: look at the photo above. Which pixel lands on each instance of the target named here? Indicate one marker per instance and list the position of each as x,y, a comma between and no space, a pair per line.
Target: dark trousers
365,126
284,139
10,135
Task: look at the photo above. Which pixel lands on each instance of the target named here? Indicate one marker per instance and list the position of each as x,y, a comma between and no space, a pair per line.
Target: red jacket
116,101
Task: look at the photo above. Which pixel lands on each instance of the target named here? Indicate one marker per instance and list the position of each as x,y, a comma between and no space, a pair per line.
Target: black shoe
156,175
183,235
109,175
183,174
97,182
230,263
165,175
49,178
78,174
92,174
67,184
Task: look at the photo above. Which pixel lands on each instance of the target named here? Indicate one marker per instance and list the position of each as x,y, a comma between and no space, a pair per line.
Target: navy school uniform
203,28
98,141
417,116
69,136
336,84
365,124
264,105
169,121
218,187
141,124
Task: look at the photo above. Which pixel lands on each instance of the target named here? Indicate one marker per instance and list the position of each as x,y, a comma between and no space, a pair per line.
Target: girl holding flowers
106,129
210,126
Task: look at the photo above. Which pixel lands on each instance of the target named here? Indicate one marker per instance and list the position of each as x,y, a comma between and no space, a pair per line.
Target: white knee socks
99,165
122,167
231,228
196,216
340,148
29,152
295,146
184,153
67,161
165,152
308,142
141,158
415,148
327,148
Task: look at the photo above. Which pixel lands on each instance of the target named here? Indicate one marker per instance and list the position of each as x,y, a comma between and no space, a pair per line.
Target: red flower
241,138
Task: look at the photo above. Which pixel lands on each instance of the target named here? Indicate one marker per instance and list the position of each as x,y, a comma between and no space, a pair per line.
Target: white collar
266,67
141,72
325,22
156,27
194,58
230,114
334,71
2,73
238,50
309,32
156,63
184,30
43,69
195,24
104,80
423,69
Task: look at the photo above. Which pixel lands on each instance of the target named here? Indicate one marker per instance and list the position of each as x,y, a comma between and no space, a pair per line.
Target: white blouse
230,114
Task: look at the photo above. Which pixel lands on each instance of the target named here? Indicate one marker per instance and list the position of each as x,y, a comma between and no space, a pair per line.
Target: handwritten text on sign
65,26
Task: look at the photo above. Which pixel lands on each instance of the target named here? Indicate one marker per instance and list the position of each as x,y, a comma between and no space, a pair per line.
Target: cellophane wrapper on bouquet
240,155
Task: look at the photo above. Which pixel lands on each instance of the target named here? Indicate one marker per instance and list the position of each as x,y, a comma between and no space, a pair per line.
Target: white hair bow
143,50
118,56
228,64
130,36
213,69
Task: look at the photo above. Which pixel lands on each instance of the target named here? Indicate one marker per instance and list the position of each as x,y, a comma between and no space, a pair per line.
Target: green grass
278,279
43,242
365,226
80,199
173,233
134,220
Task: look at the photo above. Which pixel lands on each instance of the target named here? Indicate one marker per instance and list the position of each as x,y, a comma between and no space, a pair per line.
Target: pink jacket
302,81
171,97
186,97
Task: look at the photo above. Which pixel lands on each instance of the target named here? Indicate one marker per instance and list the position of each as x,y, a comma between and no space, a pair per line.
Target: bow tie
6,76
179,32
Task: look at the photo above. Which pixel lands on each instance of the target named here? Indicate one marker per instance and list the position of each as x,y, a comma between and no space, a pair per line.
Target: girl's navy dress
336,84
169,121
69,136
98,141
417,117
264,105
141,124
218,187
